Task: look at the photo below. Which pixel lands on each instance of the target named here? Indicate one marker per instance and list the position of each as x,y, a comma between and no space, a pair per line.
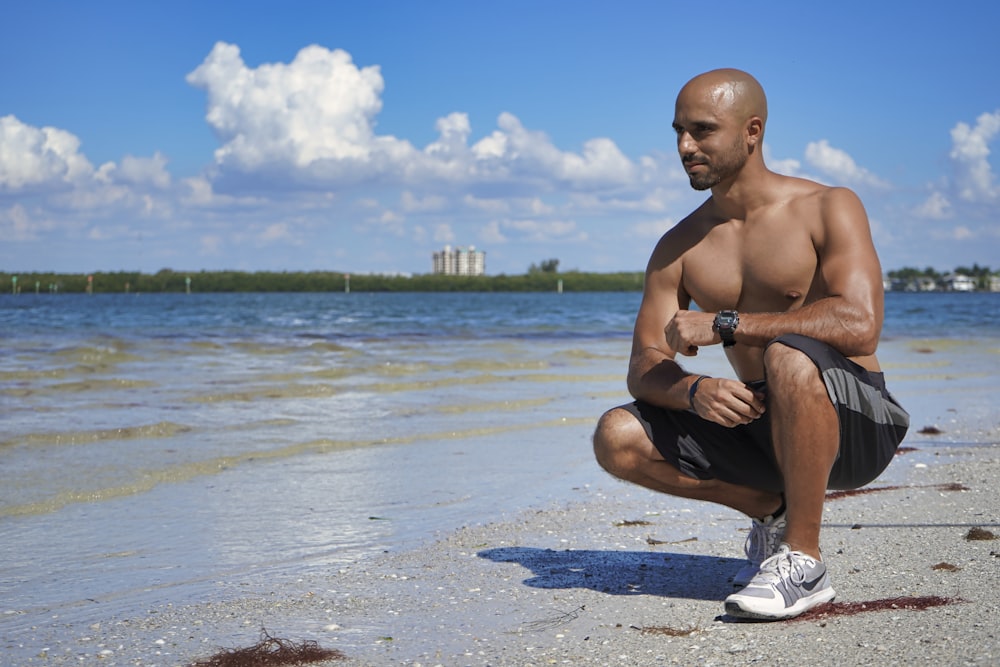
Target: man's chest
768,266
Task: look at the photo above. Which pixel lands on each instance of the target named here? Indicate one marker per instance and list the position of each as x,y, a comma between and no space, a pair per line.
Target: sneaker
788,584
762,543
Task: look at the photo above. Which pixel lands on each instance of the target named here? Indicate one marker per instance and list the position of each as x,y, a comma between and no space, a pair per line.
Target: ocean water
170,448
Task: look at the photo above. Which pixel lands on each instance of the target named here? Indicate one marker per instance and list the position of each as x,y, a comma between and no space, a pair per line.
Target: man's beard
717,170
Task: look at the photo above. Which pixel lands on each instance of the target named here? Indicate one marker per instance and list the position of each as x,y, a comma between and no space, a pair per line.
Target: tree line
168,280
540,278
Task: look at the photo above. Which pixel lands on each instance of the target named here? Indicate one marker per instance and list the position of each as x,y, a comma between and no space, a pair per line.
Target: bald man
785,277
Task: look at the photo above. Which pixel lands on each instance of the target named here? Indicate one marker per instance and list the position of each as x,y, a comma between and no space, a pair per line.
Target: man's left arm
849,316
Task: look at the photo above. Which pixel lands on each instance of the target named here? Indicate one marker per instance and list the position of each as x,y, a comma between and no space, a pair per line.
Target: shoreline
618,575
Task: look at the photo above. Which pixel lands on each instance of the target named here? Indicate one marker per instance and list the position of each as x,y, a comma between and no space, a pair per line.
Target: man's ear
755,132
755,129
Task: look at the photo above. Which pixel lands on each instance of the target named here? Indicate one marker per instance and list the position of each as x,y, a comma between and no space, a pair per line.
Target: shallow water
172,447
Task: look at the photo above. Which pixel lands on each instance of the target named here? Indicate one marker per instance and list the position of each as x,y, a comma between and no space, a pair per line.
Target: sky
363,136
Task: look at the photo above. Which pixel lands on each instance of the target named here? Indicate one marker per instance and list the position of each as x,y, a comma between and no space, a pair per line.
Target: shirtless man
786,278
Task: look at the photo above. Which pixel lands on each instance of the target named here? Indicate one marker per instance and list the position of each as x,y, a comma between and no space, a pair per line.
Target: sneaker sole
800,607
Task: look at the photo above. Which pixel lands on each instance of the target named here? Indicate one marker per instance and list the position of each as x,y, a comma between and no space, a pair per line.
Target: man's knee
789,368
615,441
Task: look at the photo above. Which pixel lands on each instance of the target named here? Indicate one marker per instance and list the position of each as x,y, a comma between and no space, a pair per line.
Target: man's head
719,118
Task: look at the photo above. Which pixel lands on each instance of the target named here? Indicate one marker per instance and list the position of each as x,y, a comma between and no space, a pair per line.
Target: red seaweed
906,603
849,493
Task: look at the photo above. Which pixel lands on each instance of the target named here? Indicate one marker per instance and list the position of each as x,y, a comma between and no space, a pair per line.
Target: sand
621,576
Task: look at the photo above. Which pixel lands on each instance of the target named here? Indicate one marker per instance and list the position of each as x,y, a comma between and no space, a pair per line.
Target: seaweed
910,603
271,652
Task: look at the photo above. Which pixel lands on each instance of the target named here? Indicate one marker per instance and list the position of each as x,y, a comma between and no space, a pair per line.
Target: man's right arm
653,375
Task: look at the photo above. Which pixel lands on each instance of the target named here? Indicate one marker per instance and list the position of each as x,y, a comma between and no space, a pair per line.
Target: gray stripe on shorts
846,389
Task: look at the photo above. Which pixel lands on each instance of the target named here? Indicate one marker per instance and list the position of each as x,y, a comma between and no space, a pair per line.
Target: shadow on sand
665,574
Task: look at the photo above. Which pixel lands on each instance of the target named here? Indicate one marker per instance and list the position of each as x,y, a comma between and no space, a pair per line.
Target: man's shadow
664,574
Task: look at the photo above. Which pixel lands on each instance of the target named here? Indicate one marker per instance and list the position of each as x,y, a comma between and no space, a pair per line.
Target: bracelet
693,389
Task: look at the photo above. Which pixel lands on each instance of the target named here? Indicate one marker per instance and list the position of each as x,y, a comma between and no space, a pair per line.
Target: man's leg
624,450
806,434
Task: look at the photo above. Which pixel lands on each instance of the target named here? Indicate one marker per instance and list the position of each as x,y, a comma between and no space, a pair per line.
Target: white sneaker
788,584
762,543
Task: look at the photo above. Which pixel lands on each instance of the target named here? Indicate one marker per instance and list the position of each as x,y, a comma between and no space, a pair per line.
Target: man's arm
849,317
655,377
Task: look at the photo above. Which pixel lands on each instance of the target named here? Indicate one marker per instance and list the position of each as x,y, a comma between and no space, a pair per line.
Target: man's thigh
702,449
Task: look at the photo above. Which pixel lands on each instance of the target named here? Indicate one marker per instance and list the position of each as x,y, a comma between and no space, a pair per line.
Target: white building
460,261
958,282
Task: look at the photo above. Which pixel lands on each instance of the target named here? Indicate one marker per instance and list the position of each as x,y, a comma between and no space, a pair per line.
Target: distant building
460,261
959,282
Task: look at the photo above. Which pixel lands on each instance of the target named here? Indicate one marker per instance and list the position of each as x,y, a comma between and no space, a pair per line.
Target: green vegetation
543,277
168,280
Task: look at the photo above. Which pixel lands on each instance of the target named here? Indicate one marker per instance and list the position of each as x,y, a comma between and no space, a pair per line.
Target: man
787,280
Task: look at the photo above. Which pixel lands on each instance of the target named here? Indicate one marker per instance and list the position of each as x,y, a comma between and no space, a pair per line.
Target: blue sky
362,136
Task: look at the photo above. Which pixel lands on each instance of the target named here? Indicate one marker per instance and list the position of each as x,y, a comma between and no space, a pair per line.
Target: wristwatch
725,323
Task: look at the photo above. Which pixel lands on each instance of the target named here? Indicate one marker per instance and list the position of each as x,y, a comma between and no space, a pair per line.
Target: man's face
709,142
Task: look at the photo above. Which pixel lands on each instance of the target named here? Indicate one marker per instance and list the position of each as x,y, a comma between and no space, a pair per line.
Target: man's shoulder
819,198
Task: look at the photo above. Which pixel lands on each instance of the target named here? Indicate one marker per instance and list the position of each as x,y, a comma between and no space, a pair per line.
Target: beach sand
621,576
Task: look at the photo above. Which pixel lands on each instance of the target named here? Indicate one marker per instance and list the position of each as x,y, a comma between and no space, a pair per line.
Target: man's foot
762,543
788,584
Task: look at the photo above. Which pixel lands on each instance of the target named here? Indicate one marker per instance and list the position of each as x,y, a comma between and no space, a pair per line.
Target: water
177,447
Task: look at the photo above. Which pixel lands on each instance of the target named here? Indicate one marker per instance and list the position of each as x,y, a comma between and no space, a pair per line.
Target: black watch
725,323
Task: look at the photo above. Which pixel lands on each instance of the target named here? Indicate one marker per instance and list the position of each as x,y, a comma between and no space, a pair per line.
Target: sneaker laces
756,547
763,540
786,564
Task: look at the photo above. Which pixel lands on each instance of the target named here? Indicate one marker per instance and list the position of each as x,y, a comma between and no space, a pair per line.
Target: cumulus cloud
839,165
32,156
312,121
316,111
513,149
970,152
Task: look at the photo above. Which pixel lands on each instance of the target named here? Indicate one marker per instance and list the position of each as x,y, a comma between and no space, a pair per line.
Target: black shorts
872,424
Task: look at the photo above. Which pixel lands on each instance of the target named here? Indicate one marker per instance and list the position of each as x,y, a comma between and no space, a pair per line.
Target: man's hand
727,402
687,330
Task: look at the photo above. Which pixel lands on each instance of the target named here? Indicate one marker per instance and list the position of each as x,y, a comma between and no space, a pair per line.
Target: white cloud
144,171
971,151
318,108
312,123
532,230
840,165
935,207
278,231
31,156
